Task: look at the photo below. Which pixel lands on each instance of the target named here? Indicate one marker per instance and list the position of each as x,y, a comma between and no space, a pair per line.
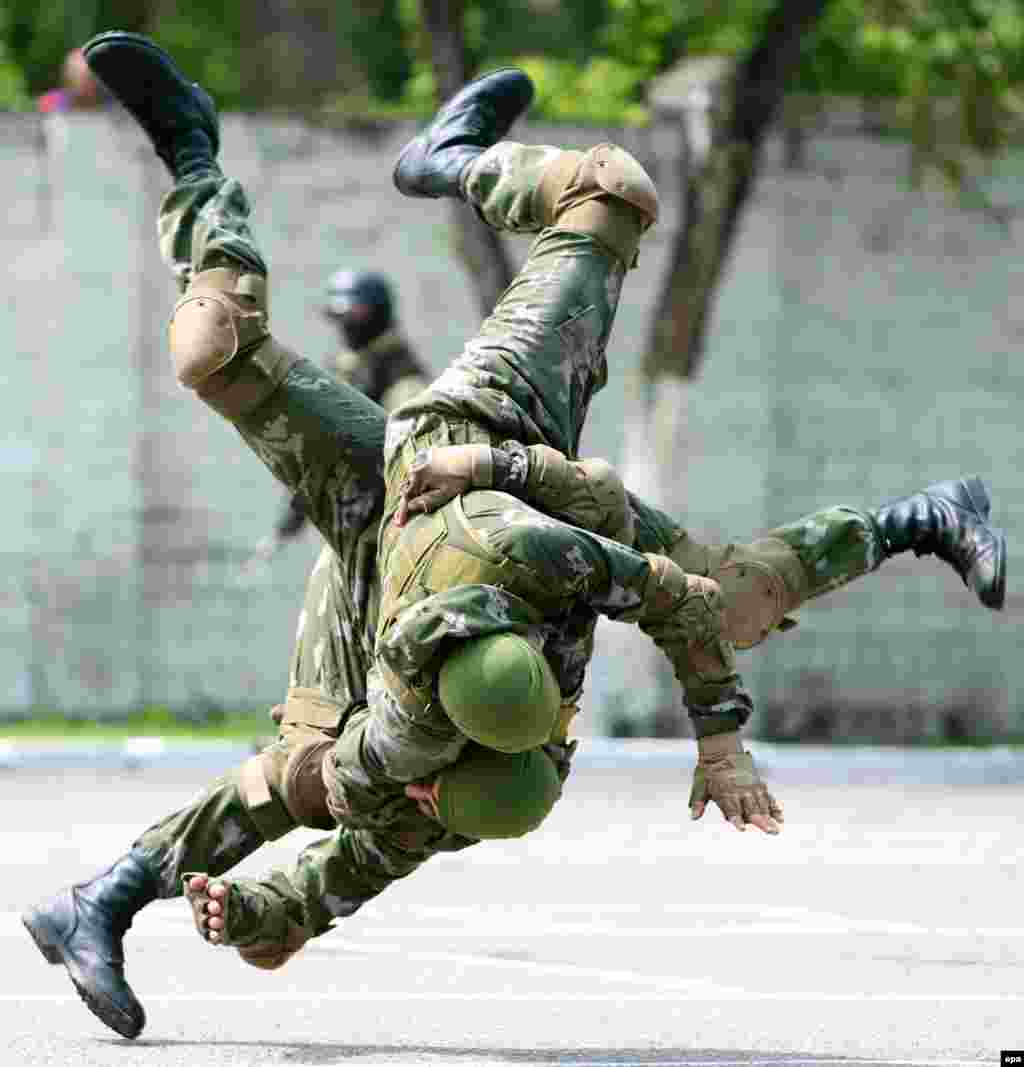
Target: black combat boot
177,115
82,927
477,116
950,519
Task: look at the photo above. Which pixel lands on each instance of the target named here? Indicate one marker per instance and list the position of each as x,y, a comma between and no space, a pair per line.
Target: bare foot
209,903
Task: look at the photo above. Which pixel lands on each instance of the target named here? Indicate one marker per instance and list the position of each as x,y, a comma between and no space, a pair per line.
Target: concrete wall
863,345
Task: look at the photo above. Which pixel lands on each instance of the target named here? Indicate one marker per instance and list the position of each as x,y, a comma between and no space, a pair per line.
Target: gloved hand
726,775
437,475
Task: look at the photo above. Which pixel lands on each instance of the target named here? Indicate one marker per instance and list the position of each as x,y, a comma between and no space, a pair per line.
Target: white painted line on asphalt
213,998
809,924
698,931
561,970
855,925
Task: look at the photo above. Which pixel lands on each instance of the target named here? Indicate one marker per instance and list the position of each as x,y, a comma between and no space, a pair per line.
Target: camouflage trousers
765,580
530,372
324,441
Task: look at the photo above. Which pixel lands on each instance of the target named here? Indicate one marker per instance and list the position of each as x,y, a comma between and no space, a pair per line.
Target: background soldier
374,357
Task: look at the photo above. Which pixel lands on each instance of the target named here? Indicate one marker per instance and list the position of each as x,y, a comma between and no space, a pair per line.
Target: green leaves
956,64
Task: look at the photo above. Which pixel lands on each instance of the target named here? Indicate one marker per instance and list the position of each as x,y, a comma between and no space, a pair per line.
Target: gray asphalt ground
884,925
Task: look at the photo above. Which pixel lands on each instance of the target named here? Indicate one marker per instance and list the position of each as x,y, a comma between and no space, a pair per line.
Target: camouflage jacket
386,370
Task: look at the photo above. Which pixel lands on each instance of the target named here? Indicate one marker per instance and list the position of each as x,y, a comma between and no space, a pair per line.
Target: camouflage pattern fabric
325,442
386,370
205,225
813,556
531,370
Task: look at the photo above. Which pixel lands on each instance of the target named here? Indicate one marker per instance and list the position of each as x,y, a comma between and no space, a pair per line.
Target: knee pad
220,343
604,192
760,583
283,788
305,791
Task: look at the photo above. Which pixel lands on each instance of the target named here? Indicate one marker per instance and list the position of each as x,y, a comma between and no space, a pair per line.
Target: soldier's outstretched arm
761,581
587,493
590,494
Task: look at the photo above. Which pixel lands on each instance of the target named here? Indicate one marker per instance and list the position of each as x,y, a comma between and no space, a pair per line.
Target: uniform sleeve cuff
511,465
728,714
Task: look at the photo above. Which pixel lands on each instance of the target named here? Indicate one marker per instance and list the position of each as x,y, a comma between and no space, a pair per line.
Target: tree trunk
480,249
295,57
724,119
722,143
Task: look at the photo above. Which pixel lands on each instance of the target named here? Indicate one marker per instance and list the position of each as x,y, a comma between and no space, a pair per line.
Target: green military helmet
500,692
489,794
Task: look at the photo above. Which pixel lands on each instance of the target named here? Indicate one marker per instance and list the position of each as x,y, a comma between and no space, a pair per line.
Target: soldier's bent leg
270,918
322,439
269,795
763,581
603,192
531,370
281,787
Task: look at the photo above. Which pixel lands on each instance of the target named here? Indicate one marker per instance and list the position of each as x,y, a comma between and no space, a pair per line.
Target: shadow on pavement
317,1053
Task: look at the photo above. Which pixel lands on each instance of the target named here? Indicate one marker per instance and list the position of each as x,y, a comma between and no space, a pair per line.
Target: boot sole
978,494
980,498
996,596
49,943
33,921
95,50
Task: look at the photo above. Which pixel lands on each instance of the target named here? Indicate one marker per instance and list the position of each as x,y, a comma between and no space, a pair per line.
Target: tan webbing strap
553,182
403,553
613,222
566,713
312,708
272,818
244,383
490,567
255,790
482,468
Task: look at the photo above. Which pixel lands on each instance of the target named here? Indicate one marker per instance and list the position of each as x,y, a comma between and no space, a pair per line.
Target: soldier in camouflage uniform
326,441
374,357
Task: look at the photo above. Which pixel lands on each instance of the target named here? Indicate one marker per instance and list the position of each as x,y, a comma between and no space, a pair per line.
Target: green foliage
604,90
207,43
378,34
591,59
191,723
13,91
